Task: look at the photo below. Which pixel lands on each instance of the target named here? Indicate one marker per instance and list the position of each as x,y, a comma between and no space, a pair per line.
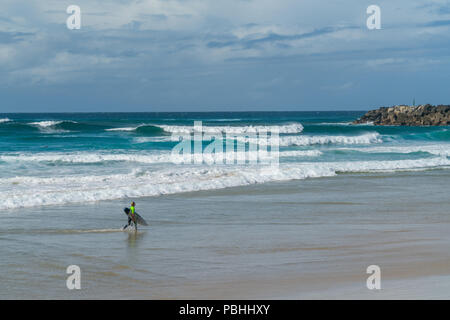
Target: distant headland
423,115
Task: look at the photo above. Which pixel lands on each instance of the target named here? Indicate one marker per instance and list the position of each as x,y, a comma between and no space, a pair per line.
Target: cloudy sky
222,55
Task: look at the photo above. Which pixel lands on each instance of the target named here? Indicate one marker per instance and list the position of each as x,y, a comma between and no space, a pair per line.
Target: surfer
131,213
134,216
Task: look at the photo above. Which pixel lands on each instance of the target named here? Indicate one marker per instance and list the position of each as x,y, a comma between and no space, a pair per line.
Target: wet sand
309,239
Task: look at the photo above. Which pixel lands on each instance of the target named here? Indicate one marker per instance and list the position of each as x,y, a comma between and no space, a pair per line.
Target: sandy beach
309,239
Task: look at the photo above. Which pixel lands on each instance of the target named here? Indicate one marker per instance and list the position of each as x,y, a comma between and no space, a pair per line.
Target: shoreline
236,243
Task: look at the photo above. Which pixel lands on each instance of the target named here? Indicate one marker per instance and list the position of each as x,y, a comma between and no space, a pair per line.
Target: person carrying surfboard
134,216
131,213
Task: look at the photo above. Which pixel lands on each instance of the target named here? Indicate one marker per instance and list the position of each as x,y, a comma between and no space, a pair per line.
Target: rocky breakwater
423,115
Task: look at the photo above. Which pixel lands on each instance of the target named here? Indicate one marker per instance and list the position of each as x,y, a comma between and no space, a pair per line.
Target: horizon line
260,111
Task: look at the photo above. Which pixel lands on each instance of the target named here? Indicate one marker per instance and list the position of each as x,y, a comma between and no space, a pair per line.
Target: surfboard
140,220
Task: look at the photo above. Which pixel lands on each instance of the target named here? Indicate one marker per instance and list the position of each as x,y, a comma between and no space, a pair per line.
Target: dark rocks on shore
423,115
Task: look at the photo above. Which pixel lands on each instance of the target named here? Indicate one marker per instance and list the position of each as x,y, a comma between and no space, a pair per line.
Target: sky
222,55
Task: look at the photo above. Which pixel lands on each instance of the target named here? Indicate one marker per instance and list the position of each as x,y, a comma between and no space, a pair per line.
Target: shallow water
311,238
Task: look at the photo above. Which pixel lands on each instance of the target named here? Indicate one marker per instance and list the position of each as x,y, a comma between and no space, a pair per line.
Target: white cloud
158,36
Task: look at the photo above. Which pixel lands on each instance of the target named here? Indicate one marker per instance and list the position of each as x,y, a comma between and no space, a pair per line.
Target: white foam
123,129
86,158
36,191
388,165
301,153
438,149
71,231
284,141
306,140
4,120
288,128
139,140
368,138
300,140
48,126
166,157
45,124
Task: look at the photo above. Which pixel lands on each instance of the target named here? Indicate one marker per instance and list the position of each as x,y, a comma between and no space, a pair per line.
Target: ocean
49,159
342,197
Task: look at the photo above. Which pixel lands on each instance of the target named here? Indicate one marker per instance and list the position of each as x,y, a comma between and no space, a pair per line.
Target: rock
423,115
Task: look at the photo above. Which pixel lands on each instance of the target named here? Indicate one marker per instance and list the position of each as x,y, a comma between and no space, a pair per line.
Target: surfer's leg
129,222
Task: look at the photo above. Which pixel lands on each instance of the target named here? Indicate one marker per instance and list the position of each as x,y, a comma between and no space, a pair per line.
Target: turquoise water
342,198
57,159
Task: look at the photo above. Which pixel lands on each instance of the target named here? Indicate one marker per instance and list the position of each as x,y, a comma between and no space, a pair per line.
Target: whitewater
57,159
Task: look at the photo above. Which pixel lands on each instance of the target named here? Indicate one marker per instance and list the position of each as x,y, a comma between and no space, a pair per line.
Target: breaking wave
28,191
65,126
368,138
287,129
92,158
307,140
438,149
153,129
